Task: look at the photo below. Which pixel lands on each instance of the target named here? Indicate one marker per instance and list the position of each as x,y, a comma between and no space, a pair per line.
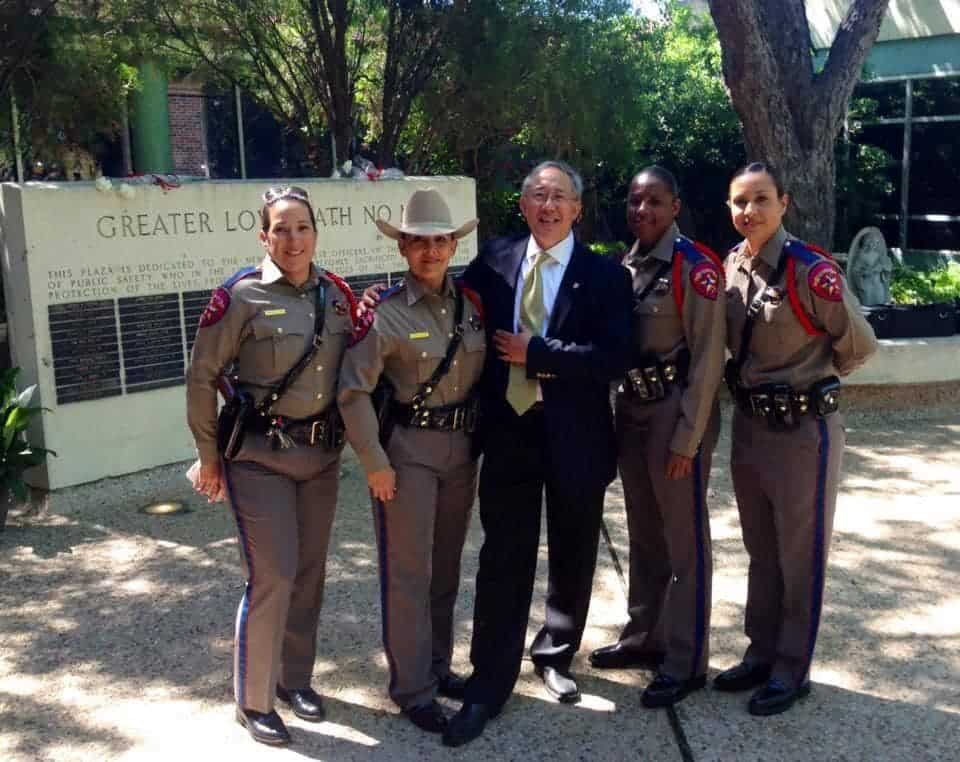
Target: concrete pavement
115,631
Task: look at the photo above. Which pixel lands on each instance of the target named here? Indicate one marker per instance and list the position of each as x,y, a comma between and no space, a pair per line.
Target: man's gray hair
562,166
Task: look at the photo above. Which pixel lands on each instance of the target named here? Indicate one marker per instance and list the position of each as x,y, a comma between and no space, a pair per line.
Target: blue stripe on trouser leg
698,519
384,587
243,611
816,602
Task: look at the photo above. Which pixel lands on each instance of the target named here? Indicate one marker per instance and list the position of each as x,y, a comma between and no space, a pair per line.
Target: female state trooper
426,340
283,327
793,326
667,422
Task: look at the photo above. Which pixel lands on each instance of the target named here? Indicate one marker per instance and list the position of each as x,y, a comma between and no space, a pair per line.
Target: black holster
232,424
382,399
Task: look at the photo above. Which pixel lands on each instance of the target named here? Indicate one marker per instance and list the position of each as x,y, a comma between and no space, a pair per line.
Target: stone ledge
929,360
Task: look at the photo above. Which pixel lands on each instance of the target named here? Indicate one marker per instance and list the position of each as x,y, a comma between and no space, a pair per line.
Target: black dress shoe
452,686
265,728
667,691
559,684
776,697
619,656
742,677
427,717
467,724
305,703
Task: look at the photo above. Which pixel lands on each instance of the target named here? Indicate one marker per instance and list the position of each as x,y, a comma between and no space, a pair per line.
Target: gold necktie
522,391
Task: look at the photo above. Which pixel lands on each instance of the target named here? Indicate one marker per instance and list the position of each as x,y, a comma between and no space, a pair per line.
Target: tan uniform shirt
781,350
406,342
660,329
266,327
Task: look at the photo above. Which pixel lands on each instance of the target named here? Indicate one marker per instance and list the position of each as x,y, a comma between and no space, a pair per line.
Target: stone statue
870,267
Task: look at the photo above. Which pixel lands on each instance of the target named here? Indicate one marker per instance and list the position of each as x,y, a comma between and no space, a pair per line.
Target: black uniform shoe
427,717
619,656
467,724
776,697
742,677
305,703
559,684
452,686
265,728
667,691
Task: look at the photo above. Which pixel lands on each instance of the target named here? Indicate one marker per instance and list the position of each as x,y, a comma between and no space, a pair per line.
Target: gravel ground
115,631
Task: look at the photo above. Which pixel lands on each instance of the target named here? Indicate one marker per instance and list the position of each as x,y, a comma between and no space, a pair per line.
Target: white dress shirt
552,272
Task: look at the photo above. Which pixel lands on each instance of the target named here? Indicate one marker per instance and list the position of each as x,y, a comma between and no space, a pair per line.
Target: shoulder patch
220,298
347,305
706,279
824,280
216,308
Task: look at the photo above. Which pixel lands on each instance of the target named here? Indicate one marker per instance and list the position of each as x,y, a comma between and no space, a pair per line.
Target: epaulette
365,321
706,270
220,298
472,295
823,278
239,275
348,294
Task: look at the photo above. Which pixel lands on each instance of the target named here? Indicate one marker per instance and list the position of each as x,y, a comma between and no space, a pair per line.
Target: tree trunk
791,115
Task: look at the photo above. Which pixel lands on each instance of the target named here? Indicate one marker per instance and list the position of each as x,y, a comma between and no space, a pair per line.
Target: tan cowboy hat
426,213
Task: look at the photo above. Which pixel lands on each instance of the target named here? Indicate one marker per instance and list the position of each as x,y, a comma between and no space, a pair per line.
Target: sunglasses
280,192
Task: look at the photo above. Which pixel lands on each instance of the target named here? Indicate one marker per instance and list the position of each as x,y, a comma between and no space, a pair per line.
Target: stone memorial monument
870,267
104,290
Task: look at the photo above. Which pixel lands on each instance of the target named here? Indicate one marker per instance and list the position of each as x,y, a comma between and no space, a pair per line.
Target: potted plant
16,453
925,303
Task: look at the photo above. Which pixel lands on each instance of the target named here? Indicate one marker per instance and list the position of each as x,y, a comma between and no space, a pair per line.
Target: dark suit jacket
587,345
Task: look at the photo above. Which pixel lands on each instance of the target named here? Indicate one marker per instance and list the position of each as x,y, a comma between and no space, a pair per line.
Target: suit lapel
570,289
508,267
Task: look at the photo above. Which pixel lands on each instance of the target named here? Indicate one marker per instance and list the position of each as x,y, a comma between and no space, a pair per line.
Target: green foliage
608,248
912,286
16,453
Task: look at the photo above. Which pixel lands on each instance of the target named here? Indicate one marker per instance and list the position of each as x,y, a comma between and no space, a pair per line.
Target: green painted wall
897,58
151,122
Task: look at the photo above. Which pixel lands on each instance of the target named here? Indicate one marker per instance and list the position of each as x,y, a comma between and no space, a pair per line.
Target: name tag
274,313
420,335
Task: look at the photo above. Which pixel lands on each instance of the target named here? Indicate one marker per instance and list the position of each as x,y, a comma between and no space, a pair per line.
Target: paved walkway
115,631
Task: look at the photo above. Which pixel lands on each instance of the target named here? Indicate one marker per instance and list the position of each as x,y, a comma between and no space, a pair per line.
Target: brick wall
188,129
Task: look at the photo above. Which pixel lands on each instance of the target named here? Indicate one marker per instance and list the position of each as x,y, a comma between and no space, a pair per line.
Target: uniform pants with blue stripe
786,484
420,536
671,565
284,502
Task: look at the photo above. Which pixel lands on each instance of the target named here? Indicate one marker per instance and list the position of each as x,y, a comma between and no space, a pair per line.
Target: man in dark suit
558,318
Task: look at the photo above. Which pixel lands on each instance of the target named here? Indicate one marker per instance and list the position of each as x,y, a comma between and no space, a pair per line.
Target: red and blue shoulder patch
706,280
706,271
823,277
824,280
220,298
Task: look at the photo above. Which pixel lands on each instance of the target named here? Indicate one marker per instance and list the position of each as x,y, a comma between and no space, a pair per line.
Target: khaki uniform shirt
266,327
406,342
781,350
660,329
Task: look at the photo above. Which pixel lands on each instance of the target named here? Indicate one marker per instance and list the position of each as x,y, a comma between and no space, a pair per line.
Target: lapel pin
576,285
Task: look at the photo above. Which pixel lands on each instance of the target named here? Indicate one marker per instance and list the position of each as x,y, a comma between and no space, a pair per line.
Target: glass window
922,234
882,100
934,160
868,183
936,97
